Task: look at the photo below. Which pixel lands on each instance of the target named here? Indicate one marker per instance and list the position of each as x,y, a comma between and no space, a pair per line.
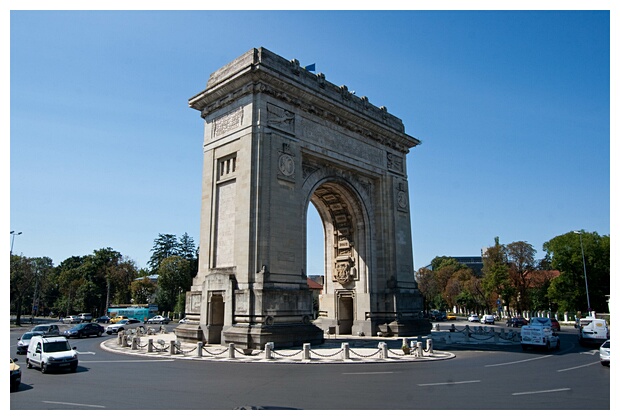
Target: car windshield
27,336
56,346
80,326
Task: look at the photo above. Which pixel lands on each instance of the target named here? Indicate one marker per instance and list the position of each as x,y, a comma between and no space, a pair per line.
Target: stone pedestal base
409,327
283,336
189,332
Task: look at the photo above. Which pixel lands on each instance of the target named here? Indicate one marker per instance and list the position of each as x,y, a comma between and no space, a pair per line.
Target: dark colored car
84,330
555,324
517,322
103,319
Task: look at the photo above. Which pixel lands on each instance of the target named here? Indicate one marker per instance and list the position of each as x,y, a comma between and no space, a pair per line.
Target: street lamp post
13,235
583,257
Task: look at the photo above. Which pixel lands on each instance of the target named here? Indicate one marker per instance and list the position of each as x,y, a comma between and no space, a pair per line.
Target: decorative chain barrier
241,352
361,355
327,355
214,353
482,339
286,355
177,347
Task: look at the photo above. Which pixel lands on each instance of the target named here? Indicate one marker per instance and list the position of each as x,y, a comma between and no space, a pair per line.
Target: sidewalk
360,350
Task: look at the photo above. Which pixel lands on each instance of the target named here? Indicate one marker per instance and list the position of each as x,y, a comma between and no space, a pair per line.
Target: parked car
604,353
71,319
16,374
49,353
117,318
517,322
436,315
555,324
183,321
103,319
84,330
122,325
451,316
487,319
84,317
473,318
49,329
158,319
24,340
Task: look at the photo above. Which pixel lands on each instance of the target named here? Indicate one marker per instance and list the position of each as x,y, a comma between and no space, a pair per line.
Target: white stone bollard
199,348
384,350
124,341
149,348
429,345
345,351
268,348
418,349
134,343
172,347
306,353
231,350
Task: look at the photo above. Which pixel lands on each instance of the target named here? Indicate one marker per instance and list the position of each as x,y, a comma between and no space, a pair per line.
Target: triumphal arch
278,138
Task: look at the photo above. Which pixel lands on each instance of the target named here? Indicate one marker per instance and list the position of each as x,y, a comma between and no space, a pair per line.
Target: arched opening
338,237
315,243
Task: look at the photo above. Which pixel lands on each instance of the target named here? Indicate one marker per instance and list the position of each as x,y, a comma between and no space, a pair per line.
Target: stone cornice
260,71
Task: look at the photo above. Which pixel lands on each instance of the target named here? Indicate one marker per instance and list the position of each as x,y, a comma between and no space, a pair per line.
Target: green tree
165,245
495,274
569,289
520,256
175,278
21,284
142,289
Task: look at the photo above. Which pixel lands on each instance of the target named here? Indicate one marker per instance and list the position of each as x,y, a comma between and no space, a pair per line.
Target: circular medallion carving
402,200
287,165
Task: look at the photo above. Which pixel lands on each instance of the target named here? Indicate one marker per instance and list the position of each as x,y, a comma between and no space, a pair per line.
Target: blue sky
512,107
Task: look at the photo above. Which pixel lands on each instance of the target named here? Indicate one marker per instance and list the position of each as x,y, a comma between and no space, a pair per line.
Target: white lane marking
519,361
541,392
450,383
76,404
578,367
367,373
86,352
127,361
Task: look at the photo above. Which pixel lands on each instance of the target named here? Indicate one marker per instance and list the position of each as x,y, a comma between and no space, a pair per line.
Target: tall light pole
583,257
13,235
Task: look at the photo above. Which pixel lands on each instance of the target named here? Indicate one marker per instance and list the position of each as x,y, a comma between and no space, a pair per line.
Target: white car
158,319
123,324
473,318
604,353
48,353
487,319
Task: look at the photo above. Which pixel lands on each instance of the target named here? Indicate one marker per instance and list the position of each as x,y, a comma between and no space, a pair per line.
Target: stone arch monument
278,137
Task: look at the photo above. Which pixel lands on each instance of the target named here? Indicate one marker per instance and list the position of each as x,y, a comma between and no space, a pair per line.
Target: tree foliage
565,255
175,277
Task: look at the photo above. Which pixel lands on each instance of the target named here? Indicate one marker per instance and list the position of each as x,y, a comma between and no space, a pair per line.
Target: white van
539,333
48,353
593,331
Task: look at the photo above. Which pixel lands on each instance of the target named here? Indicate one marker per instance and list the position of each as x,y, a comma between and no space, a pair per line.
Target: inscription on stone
227,122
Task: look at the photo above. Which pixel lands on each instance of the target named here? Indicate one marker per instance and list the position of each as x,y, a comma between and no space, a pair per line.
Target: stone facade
277,138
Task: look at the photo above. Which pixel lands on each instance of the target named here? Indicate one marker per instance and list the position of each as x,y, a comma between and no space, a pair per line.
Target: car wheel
79,335
557,345
43,368
28,364
99,334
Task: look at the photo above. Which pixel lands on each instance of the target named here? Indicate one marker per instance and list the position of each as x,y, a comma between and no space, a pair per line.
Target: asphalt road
503,378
